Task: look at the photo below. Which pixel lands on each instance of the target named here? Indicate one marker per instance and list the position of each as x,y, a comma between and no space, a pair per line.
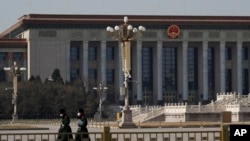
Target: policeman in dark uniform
82,131
65,132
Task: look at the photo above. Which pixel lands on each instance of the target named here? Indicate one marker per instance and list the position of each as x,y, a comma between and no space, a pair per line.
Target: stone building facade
191,62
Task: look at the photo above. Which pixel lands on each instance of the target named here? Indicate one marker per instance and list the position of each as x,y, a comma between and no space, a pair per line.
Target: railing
44,136
180,135
169,136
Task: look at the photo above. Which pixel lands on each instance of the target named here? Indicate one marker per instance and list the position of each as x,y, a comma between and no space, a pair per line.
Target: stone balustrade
235,103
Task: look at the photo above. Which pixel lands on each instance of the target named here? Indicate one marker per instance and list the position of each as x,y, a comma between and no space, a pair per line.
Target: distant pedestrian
65,132
82,130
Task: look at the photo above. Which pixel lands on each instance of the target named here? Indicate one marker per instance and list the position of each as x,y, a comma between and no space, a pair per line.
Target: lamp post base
127,119
14,118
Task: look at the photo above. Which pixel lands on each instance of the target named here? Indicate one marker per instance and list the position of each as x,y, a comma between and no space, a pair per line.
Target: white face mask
78,114
61,115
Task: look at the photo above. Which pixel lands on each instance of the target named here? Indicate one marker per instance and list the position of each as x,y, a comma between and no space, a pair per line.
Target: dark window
74,73
110,76
228,80
228,53
211,68
92,53
192,68
3,56
74,53
18,56
245,53
2,75
245,82
92,74
147,66
93,46
75,50
110,51
169,68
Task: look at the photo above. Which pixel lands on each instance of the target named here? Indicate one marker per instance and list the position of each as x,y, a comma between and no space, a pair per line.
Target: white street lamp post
15,71
100,90
125,33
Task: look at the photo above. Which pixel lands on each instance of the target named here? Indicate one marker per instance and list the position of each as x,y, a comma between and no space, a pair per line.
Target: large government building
178,58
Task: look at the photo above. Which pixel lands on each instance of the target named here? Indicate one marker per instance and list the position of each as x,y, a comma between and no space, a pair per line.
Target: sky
11,10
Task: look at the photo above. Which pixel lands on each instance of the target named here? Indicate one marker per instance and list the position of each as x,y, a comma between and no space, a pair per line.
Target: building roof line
53,19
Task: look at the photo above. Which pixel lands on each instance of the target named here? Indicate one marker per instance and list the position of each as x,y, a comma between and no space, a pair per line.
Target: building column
139,70
239,67
67,46
25,65
222,67
85,64
118,71
158,72
182,71
204,74
102,63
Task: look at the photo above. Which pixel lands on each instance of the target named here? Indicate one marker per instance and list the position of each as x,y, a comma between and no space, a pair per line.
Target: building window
74,73
110,76
228,80
2,75
92,74
92,51
110,51
245,82
245,53
3,56
192,69
147,67
18,56
211,68
75,50
74,53
169,68
228,53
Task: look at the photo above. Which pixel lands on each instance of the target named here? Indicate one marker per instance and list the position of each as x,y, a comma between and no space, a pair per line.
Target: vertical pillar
85,62
239,67
25,65
222,67
204,71
102,63
139,70
67,46
183,85
158,86
118,72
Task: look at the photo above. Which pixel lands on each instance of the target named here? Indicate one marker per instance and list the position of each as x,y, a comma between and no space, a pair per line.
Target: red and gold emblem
173,31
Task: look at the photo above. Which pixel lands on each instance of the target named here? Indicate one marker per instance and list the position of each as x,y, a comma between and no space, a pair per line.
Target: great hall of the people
178,58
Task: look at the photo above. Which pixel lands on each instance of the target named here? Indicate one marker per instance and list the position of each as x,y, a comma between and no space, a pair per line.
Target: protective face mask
78,114
61,115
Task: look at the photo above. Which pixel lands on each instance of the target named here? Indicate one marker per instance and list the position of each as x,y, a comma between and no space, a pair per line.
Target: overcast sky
11,10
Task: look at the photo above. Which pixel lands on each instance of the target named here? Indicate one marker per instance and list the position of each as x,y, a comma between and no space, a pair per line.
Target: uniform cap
62,111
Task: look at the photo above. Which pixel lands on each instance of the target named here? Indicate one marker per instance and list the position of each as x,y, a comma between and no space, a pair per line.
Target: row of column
182,53
220,62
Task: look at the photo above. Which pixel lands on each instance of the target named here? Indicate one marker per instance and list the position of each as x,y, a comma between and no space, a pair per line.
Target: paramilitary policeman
65,132
82,131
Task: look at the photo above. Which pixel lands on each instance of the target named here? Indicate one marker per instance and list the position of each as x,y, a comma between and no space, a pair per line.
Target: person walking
82,130
65,132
